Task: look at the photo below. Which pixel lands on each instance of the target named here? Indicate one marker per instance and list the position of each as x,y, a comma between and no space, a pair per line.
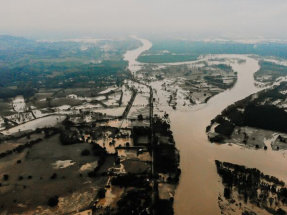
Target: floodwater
47,121
19,104
132,55
200,184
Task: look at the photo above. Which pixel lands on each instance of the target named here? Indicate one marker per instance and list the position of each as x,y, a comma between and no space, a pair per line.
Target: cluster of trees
139,131
271,68
6,92
162,127
102,193
30,63
131,180
101,153
53,201
266,117
224,67
101,161
85,152
48,133
164,206
166,58
248,181
281,139
20,148
187,50
23,77
166,155
68,137
256,113
97,150
218,81
225,127
104,74
135,202
166,160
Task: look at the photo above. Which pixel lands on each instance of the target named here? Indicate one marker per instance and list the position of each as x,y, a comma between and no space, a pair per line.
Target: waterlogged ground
200,184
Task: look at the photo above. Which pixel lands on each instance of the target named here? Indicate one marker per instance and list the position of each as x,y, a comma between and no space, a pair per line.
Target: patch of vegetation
182,50
165,207
166,58
271,70
265,117
252,185
85,152
135,202
102,193
255,112
30,64
11,93
225,127
130,180
53,201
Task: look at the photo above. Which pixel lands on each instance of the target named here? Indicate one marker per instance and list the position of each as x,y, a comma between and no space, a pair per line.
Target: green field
164,51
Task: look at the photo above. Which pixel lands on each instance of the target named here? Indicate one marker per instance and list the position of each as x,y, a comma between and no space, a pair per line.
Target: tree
102,193
227,192
140,117
54,176
6,177
53,201
85,152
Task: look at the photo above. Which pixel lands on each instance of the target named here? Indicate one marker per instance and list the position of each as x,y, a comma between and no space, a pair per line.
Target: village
187,85
104,150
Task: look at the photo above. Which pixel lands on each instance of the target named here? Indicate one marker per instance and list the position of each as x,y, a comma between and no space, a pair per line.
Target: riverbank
199,183
258,121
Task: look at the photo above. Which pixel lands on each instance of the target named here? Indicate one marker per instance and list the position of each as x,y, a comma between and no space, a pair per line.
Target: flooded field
48,121
115,121
200,184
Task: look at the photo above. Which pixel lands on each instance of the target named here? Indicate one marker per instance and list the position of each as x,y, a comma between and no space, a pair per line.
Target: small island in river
258,121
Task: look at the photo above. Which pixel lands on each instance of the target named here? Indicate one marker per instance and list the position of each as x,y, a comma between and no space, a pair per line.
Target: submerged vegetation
248,185
269,72
84,134
265,110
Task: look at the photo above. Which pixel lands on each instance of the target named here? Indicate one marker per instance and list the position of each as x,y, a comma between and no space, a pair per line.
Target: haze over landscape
143,107
208,18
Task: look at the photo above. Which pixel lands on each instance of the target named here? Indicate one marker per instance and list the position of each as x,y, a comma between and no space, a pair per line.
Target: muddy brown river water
200,184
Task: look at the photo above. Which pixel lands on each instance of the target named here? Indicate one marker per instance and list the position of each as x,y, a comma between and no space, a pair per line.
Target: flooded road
200,184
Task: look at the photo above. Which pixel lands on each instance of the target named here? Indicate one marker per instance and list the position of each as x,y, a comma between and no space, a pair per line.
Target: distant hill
7,41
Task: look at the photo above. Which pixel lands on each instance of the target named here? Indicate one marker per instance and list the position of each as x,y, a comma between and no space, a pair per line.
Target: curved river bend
199,183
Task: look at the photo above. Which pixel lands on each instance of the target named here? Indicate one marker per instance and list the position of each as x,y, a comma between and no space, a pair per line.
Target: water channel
199,183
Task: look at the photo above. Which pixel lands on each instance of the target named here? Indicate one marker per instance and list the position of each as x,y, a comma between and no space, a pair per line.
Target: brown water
132,55
199,183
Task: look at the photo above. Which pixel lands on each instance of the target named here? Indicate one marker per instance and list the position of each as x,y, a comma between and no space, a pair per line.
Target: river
132,55
200,184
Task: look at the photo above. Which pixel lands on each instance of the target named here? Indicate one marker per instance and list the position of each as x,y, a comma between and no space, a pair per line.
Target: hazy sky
195,17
